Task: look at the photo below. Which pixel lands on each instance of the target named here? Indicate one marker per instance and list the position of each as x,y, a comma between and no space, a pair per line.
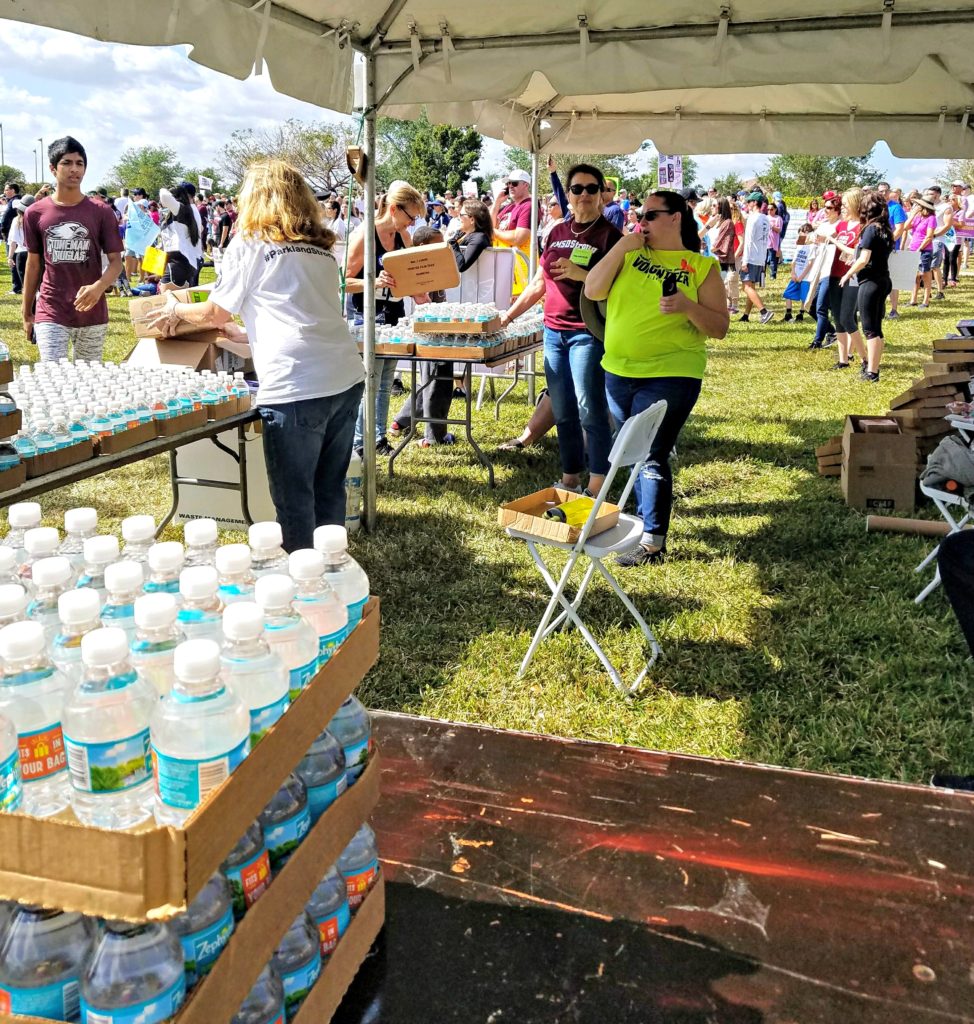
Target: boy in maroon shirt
68,235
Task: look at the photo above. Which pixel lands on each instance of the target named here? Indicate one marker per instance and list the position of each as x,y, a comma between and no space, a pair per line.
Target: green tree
150,167
8,173
729,185
961,170
805,174
429,156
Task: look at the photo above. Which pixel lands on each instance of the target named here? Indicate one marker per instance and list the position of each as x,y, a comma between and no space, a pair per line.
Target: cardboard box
180,424
829,470
954,345
11,478
11,422
6,371
390,349
527,515
41,465
878,469
144,308
222,410
921,391
127,439
478,353
203,350
831,447
156,872
458,327
422,268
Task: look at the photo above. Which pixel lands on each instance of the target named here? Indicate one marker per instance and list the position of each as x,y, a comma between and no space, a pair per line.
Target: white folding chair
631,448
955,523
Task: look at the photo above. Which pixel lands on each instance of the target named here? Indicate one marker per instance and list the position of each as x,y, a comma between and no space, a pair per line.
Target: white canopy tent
815,76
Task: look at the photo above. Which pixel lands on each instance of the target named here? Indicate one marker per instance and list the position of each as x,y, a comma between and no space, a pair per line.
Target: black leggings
951,257
872,305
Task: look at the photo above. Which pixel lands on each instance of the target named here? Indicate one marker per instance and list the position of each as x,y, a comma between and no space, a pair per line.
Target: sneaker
830,340
640,556
787,318
940,295
743,318
398,389
382,447
863,371
799,318
565,487
870,378
766,316
839,366
459,393
892,315
814,344
923,305
395,429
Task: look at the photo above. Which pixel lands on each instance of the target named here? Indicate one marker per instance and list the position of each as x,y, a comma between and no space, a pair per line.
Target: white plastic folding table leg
954,526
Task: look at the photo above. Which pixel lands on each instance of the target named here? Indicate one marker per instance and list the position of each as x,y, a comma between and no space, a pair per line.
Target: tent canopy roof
809,75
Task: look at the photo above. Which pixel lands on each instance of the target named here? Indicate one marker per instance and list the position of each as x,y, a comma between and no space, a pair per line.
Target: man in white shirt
757,230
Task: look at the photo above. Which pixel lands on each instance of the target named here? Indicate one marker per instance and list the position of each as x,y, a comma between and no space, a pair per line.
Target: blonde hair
853,202
403,195
276,205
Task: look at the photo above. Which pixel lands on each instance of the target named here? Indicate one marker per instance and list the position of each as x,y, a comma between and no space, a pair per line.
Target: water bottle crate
156,872
223,409
115,443
10,423
179,424
11,478
41,465
6,371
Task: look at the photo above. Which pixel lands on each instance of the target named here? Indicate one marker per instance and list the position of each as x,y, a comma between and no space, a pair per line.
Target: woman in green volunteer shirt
664,300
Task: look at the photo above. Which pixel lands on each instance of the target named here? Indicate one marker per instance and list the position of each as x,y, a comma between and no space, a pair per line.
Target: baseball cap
690,195
959,183
519,175
777,195
830,194
755,197
22,202
438,201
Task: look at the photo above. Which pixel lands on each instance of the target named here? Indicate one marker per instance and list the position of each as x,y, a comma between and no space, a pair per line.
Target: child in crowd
797,287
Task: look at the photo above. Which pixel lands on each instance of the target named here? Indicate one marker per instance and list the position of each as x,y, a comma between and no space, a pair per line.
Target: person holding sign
572,355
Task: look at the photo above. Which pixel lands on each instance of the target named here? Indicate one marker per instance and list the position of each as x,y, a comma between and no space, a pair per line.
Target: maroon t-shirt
70,240
516,216
561,298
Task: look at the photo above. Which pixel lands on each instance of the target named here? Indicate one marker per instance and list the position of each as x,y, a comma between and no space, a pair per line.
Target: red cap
830,195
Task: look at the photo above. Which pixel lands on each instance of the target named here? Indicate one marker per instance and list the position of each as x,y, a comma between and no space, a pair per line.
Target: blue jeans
823,324
629,396
308,446
576,386
385,370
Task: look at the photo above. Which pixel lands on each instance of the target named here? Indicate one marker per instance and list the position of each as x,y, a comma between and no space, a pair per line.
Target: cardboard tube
893,524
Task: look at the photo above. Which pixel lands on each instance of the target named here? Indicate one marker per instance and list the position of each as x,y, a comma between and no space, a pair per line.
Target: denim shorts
753,272
926,260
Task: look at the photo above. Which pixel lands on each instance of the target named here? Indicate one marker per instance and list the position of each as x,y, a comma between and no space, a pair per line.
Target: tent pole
533,257
368,273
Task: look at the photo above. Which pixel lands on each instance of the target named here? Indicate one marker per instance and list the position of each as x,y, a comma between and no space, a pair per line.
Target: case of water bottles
465,330
194,905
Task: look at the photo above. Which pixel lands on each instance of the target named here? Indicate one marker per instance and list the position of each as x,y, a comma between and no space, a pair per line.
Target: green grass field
789,635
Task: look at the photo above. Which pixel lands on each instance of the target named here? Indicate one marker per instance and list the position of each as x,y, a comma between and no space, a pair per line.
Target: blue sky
113,97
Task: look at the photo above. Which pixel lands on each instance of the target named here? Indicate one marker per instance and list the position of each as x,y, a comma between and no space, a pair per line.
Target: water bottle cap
101,550
200,532
8,559
21,640
136,528
198,581
274,591
306,564
80,520
42,540
168,556
233,558
76,607
265,535
103,647
13,599
153,610
195,661
124,576
51,572
331,539
242,621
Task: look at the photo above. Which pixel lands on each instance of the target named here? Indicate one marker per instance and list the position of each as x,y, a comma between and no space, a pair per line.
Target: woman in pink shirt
774,240
921,224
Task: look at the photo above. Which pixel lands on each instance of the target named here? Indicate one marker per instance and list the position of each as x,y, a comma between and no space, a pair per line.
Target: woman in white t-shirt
279,274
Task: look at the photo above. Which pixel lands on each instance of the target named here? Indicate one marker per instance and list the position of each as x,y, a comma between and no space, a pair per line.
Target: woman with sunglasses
844,301
819,306
572,355
664,300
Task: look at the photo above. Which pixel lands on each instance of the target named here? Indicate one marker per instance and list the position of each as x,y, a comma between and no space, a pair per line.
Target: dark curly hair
875,211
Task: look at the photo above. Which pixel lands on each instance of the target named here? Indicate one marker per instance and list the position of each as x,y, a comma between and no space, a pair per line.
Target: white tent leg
533,258
368,273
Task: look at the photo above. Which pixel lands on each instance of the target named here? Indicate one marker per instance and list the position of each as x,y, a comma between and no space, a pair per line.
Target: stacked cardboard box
878,470
829,457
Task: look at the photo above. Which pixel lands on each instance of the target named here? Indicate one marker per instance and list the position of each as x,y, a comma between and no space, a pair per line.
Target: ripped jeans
654,489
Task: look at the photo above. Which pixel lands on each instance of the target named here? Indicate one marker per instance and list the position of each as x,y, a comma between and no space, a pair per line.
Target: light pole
41,166
35,168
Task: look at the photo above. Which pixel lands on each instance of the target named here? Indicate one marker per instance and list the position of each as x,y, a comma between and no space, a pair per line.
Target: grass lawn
789,635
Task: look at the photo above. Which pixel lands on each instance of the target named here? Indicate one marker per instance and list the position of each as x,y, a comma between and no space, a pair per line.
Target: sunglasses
653,214
831,206
577,190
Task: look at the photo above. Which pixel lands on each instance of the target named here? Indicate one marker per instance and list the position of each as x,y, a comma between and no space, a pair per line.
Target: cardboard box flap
168,352
422,268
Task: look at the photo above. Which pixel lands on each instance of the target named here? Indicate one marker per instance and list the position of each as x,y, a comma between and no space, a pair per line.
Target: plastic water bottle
322,770
298,961
328,908
59,428
41,962
139,534
359,866
44,439
201,541
51,577
78,611
99,554
11,784
345,575
201,616
200,733
252,670
123,587
9,456
352,728
41,542
24,443
32,696
353,494
267,555
165,564
205,928
8,566
79,525
286,631
77,428
286,820
317,603
265,1003
236,578
106,733
13,603
135,976
21,517
101,423
157,635
248,870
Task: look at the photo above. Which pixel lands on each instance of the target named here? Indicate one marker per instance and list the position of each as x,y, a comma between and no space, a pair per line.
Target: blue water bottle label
327,645
356,758
166,587
186,783
111,767
297,985
11,786
355,613
111,613
282,839
301,676
320,798
150,1011
261,719
58,1001
201,949
332,928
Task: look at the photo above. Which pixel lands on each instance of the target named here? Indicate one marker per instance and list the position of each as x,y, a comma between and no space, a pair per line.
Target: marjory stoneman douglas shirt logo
68,242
